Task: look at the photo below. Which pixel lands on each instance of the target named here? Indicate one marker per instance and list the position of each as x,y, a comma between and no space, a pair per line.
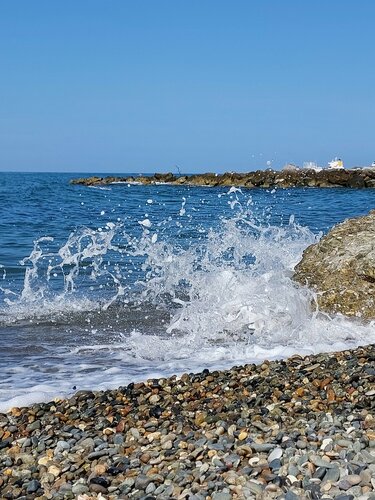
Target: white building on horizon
336,163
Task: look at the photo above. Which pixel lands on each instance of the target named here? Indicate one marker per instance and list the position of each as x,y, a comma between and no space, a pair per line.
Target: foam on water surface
154,296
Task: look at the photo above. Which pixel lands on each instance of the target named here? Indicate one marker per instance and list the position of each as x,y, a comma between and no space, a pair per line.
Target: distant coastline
287,178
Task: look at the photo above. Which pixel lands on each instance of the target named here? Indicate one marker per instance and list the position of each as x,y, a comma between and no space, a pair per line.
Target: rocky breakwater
301,428
364,178
341,268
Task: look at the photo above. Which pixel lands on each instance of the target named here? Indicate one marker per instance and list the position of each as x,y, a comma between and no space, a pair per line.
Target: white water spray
160,303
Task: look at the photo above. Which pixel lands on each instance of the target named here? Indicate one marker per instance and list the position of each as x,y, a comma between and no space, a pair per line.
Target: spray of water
160,301
230,293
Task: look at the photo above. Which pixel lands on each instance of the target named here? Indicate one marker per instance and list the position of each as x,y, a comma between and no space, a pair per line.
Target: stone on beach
341,268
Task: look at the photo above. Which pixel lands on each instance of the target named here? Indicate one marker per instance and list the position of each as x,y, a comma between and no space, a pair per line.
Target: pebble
275,454
33,486
79,489
348,481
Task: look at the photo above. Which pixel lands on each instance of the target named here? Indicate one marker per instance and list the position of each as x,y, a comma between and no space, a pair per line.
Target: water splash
166,296
230,282
52,279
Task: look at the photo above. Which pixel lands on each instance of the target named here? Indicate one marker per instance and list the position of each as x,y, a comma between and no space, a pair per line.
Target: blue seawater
103,285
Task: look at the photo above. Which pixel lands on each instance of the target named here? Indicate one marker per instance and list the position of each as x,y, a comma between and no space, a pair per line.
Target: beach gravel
301,428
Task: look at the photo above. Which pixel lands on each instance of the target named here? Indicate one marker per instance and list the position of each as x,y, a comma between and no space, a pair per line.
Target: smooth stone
320,473
128,483
142,481
26,443
97,488
219,495
348,481
254,487
62,445
301,445
79,489
275,455
365,477
33,486
34,426
368,457
275,464
97,454
327,444
168,445
118,439
150,488
102,481
319,462
160,489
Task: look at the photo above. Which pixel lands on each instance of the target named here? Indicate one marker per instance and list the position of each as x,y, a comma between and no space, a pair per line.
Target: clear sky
208,85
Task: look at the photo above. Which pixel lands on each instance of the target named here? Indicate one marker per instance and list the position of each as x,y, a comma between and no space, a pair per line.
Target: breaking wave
164,296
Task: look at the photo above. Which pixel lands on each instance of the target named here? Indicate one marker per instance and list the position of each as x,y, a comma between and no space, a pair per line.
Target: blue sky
208,85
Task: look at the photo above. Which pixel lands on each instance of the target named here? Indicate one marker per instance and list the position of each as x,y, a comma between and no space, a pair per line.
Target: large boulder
341,268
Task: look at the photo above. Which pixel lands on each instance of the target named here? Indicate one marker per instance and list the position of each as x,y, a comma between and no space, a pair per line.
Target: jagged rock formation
341,268
361,178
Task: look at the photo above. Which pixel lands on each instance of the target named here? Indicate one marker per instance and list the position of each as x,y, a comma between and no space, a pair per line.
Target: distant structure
337,163
290,167
367,167
311,165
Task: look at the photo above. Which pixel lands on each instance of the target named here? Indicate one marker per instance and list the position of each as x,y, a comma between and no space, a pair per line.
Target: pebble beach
187,258
301,428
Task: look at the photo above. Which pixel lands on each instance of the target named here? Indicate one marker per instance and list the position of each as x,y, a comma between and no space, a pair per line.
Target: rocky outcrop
341,268
360,178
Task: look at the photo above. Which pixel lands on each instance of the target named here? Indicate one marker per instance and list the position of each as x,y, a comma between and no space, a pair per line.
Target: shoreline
328,178
300,426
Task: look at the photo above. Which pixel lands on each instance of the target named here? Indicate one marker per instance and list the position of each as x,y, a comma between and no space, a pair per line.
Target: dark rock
156,411
5,444
102,481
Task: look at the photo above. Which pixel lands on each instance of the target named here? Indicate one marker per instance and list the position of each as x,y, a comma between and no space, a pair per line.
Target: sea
101,286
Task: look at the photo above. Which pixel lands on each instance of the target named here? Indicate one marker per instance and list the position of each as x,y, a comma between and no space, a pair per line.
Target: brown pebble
145,458
331,396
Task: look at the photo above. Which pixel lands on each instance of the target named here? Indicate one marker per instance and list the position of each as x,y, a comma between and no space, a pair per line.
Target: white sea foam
100,188
133,306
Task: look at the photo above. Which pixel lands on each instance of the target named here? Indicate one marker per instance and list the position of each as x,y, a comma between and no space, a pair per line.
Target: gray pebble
219,495
291,496
142,481
33,486
79,489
